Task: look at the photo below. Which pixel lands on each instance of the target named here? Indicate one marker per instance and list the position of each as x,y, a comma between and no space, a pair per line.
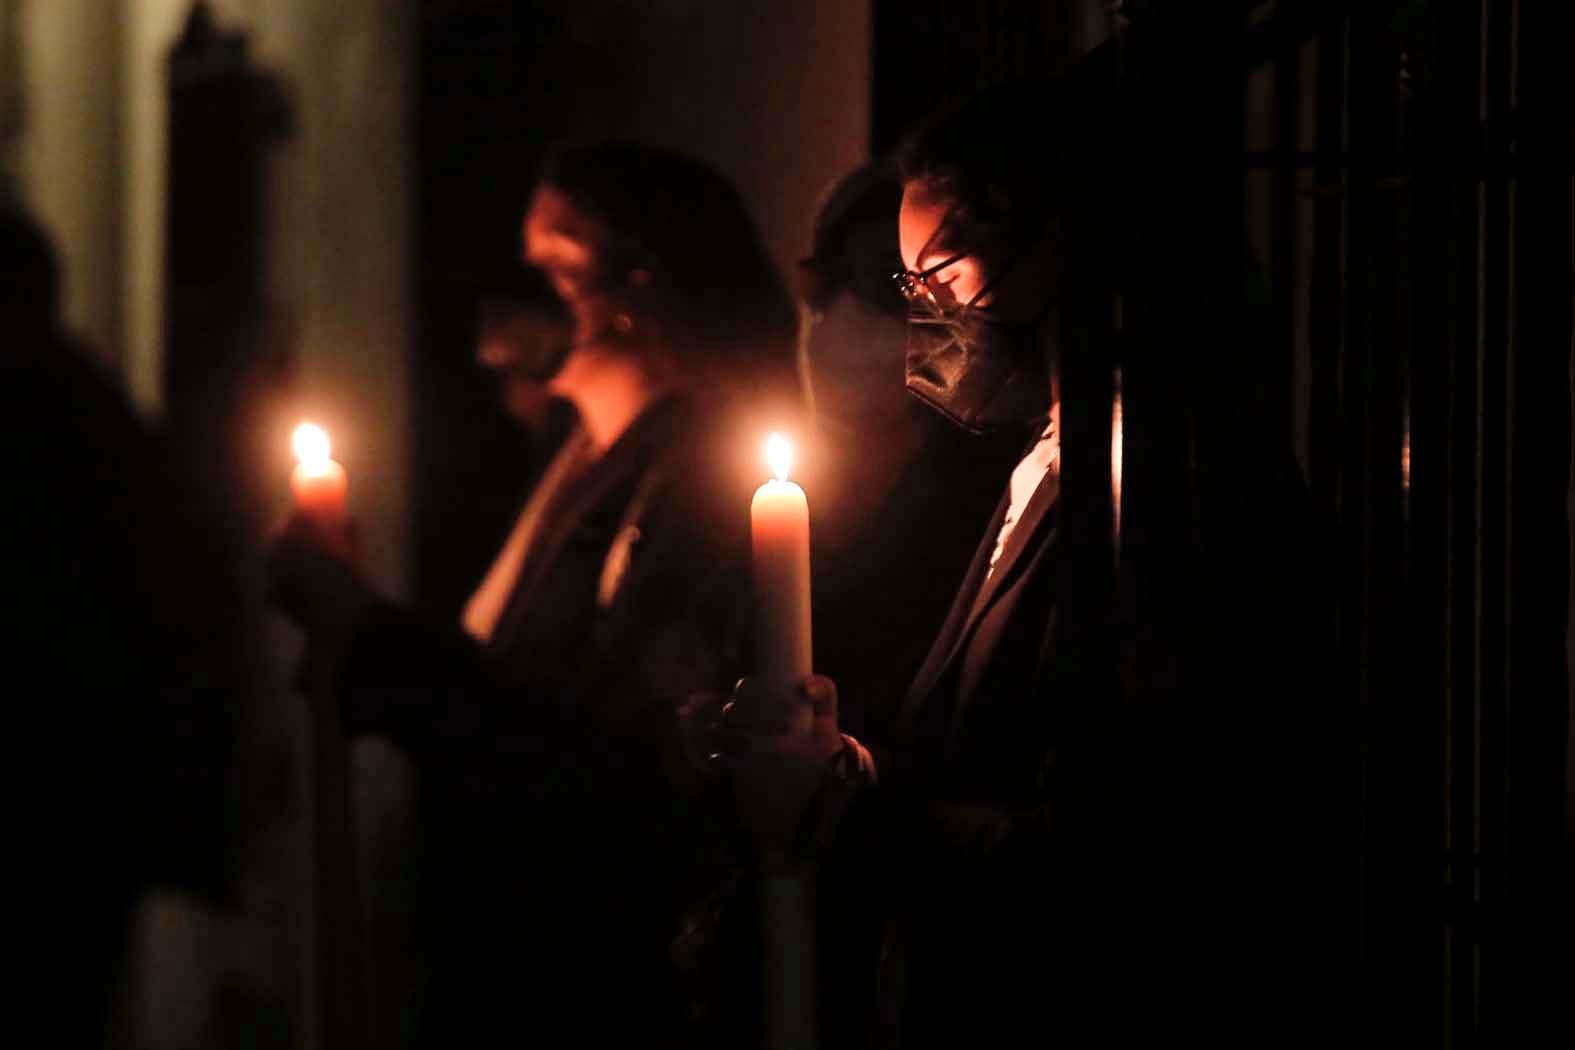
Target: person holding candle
890,486
565,808
892,482
1086,823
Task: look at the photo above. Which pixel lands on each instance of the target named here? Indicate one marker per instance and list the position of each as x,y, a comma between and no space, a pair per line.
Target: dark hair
855,241
1016,158
685,222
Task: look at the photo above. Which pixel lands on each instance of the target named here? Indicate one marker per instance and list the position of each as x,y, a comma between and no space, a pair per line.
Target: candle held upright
779,529
318,483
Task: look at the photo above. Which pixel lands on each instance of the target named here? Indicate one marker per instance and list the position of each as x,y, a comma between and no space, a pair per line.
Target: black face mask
981,373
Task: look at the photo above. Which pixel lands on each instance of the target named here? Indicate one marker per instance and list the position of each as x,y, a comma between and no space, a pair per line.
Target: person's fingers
758,721
744,754
760,772
753,691
756,706
821,692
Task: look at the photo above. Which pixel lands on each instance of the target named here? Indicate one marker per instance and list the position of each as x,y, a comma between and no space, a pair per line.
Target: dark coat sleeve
602,708
1178,841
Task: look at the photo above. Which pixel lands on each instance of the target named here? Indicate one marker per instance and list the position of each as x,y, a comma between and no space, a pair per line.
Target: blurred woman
548,724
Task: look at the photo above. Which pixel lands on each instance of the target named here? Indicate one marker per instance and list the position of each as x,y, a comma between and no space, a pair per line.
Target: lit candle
779,525
1115,464
318,482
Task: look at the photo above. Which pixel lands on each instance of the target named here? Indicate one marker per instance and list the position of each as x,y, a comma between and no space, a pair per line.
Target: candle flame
310,442
779,455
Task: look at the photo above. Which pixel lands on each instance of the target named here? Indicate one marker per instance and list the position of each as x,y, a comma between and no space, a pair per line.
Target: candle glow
1115,465
779,456
312,449
318,482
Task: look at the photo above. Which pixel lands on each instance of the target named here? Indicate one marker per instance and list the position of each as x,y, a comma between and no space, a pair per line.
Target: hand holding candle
324,595
779,529
312,558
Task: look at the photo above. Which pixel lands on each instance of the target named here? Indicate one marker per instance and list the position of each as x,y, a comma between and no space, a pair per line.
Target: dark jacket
875,615
564,823
881,591
122,644
1100,816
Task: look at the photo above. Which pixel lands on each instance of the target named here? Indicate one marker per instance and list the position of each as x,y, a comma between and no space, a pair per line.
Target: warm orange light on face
779,456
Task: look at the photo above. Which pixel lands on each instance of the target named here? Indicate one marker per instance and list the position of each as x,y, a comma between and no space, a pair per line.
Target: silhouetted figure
567,815
892,488
1098,820
892,484
121,670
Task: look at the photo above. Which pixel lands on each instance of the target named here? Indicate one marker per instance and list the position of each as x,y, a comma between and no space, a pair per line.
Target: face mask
982,375
979,372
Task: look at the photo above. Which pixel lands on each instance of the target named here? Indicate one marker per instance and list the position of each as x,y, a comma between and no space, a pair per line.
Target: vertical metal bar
1397,720
1466,104
1287,112
1441,268
1326,335
1328,273
1354,532
1540,496
1492,393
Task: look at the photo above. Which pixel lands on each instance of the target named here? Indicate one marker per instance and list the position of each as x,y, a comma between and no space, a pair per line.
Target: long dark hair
685,223
1020,157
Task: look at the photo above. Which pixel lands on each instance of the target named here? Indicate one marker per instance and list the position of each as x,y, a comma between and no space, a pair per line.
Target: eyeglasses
916,290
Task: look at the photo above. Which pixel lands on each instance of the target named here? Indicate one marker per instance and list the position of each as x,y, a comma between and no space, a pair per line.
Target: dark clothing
563,820
117,639
881,590
502,465
968,786
875,611
1099,817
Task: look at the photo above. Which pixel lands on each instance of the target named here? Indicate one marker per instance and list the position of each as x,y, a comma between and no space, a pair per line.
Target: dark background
1400,171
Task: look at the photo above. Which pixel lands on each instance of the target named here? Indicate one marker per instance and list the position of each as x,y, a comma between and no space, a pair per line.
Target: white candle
318,482
779,526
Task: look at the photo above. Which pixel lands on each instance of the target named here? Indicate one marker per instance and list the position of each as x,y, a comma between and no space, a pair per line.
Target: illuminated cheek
968,282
